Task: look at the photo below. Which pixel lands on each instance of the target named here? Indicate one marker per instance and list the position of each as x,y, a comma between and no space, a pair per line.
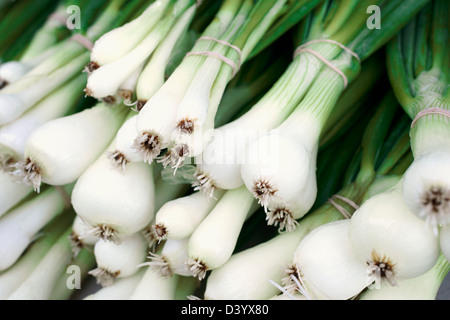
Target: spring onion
11,278
153,74
40,283
327,263
391,257
98,198
249,275
106,80
80,237
213,241
266,179
153,286
155,124
22,224
197,110
11,192
116,43
68,282
171,259
59,103
178,218
118,260
424,287
418,61
121,289
48,156
14,105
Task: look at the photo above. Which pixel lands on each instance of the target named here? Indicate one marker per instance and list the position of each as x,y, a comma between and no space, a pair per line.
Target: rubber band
425,112
235,48
85,42
348,201
303,48
59,17
333,42
340,208
221,57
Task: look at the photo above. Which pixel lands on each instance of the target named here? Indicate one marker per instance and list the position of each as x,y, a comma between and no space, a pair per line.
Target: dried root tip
160,264
106,233
381,268
7,164
140,104
91,67
118,159
76,244
186,126
88,92
148,146
3,83
282,217
110,100
289,285
175,157
264,192
150,236
104,277
297,282
126,95
160,232
436,206
29,173
197,268
204,183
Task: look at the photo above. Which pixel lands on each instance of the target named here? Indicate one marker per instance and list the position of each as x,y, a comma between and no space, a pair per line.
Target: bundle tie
434,110
303,48
340,208
224,59
85,42
59,17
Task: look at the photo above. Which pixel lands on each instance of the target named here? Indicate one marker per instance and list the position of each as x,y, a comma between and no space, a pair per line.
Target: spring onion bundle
224,150
418,64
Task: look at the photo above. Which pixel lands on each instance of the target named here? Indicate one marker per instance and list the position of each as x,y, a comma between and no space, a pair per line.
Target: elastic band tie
59,17
348,201
85,42
303,48
425,112
340,208
226,60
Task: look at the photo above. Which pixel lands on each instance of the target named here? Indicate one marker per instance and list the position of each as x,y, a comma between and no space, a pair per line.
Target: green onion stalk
214,59
21,21
248,274
66,61
45,270
122,53
51,32
11,278
193,128
284,182
72,278
418,68
55,79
